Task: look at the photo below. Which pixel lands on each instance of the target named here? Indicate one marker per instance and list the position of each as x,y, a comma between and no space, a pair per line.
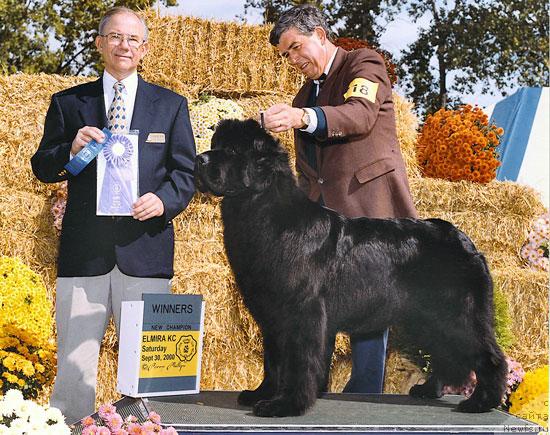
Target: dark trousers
368,361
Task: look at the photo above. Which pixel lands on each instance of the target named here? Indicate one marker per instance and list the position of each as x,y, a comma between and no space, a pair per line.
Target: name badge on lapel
156,137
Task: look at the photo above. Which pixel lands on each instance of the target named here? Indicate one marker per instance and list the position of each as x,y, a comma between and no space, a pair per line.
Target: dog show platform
217,412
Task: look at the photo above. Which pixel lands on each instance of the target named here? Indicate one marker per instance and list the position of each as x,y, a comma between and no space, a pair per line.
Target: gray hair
122,10
304,18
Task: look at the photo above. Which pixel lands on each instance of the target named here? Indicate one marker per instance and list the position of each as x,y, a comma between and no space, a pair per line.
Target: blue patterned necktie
116,117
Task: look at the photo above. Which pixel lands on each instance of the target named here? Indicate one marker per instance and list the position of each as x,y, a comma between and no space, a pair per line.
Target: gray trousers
84,306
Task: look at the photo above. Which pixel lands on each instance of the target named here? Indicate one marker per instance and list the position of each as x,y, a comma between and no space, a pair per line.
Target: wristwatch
305,119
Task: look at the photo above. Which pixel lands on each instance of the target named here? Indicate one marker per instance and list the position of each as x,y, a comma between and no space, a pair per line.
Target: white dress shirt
312,115
128,93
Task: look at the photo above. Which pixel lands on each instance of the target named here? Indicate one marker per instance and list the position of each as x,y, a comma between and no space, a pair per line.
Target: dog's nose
202,159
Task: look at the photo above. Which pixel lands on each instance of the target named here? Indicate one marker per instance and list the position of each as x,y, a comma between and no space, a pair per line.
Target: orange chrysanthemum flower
459,145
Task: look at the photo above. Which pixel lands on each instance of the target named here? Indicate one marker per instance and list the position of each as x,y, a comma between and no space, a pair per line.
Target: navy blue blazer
91,245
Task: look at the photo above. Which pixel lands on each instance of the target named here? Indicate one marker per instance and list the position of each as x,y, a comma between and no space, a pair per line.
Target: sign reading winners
160,345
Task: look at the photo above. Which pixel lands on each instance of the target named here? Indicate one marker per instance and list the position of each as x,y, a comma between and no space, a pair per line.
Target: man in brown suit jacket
347,154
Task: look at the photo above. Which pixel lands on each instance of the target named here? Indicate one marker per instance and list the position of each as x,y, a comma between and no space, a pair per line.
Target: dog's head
244,159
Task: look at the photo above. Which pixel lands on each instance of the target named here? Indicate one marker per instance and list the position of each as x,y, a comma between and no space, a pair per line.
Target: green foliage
351,18
24,37
487,43
356,19
503,321
29,30
272,9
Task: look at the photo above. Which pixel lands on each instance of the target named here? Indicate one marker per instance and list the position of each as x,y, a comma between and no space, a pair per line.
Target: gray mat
218,411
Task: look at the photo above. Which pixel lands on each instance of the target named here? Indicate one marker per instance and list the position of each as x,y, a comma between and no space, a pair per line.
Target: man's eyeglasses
114,38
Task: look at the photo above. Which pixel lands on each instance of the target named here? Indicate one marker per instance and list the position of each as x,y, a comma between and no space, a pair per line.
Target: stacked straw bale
208,56
193,56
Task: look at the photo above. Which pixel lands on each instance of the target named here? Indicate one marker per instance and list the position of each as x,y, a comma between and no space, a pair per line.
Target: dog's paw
277,408
473,406
249,397
425,391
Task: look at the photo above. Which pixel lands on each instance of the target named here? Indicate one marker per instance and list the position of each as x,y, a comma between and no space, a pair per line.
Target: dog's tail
479,349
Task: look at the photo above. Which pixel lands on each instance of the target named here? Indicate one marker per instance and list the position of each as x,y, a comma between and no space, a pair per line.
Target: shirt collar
130,83
327,68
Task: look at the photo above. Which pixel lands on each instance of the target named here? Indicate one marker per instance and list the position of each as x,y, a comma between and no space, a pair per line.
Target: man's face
306,53
120,57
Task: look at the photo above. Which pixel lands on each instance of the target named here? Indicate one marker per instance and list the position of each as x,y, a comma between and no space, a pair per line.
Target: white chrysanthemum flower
19,424
56,429
206,115
31,418
55,415
6,409
30,410
14,397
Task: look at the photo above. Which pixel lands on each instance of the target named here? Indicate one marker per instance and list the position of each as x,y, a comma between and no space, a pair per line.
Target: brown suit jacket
360,167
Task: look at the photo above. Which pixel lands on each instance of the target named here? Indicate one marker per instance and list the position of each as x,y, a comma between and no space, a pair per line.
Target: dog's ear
259,144
259,174
263,141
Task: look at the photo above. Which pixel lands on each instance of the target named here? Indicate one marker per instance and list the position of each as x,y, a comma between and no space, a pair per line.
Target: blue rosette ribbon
116,192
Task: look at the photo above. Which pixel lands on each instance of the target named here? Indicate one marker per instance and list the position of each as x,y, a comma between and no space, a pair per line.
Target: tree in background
29,28
483,44
24,49
272,9
468,46
357,18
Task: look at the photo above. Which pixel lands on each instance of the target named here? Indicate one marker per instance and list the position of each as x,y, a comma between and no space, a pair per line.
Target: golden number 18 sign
160,345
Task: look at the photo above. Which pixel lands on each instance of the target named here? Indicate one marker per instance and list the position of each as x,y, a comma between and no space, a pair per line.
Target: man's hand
85,135
282,117
148,206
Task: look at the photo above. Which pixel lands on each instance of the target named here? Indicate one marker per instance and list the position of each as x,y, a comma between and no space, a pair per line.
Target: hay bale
107,371
503,197
527,293
497,216
24,101
407,131
27,232
210,56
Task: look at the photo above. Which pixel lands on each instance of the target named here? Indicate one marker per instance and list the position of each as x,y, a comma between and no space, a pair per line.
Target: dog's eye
230,151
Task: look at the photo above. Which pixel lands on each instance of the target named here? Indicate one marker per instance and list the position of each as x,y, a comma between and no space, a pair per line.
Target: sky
399,33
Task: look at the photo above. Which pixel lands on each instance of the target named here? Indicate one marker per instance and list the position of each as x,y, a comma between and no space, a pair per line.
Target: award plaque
160,346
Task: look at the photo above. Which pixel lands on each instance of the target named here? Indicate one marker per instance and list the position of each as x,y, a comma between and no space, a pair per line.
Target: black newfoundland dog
307,272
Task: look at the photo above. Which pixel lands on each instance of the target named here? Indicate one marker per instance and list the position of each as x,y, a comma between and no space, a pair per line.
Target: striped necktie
116,117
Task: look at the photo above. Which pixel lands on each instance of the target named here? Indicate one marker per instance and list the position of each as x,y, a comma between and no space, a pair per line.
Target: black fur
307,272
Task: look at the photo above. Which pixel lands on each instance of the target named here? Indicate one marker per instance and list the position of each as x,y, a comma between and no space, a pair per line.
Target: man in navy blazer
104,260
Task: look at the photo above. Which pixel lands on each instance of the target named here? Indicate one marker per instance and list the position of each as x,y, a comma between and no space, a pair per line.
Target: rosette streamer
116,192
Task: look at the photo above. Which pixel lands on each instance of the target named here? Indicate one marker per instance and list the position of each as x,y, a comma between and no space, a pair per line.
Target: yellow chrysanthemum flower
23,299
530,400
27,359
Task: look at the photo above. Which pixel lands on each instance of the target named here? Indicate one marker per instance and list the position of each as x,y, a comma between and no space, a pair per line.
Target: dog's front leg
268,387
303,364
